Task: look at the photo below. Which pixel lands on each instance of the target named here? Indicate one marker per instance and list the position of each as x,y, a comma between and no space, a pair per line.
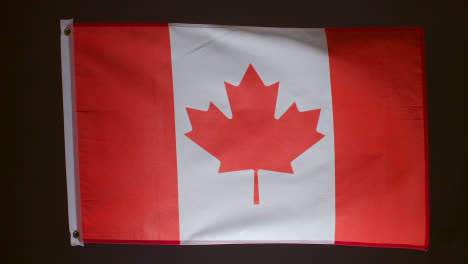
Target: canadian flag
202,134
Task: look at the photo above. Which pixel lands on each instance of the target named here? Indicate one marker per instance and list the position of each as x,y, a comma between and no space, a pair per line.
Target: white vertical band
218,207
69,122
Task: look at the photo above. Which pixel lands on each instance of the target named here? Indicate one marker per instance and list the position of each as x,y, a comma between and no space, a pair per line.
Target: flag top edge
195,25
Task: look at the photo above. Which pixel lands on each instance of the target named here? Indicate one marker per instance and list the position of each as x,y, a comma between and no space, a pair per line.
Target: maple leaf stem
256,192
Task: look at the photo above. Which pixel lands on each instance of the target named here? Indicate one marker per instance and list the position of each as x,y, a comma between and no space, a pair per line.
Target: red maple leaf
253,138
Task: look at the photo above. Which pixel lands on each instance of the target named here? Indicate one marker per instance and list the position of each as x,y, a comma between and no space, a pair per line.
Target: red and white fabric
203,134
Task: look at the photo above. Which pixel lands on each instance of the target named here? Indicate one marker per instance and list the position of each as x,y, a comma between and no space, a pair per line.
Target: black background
37,224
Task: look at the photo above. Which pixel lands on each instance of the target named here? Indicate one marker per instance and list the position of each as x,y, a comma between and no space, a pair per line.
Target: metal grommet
76,234
67,32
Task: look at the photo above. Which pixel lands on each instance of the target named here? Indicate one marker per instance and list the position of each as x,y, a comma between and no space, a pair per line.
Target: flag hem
381,245
69,124
254,242
426,137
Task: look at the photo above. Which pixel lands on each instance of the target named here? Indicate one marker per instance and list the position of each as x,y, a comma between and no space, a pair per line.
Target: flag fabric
203,134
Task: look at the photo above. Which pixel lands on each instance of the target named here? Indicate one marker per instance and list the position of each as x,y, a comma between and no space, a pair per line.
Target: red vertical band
126,133
378,107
